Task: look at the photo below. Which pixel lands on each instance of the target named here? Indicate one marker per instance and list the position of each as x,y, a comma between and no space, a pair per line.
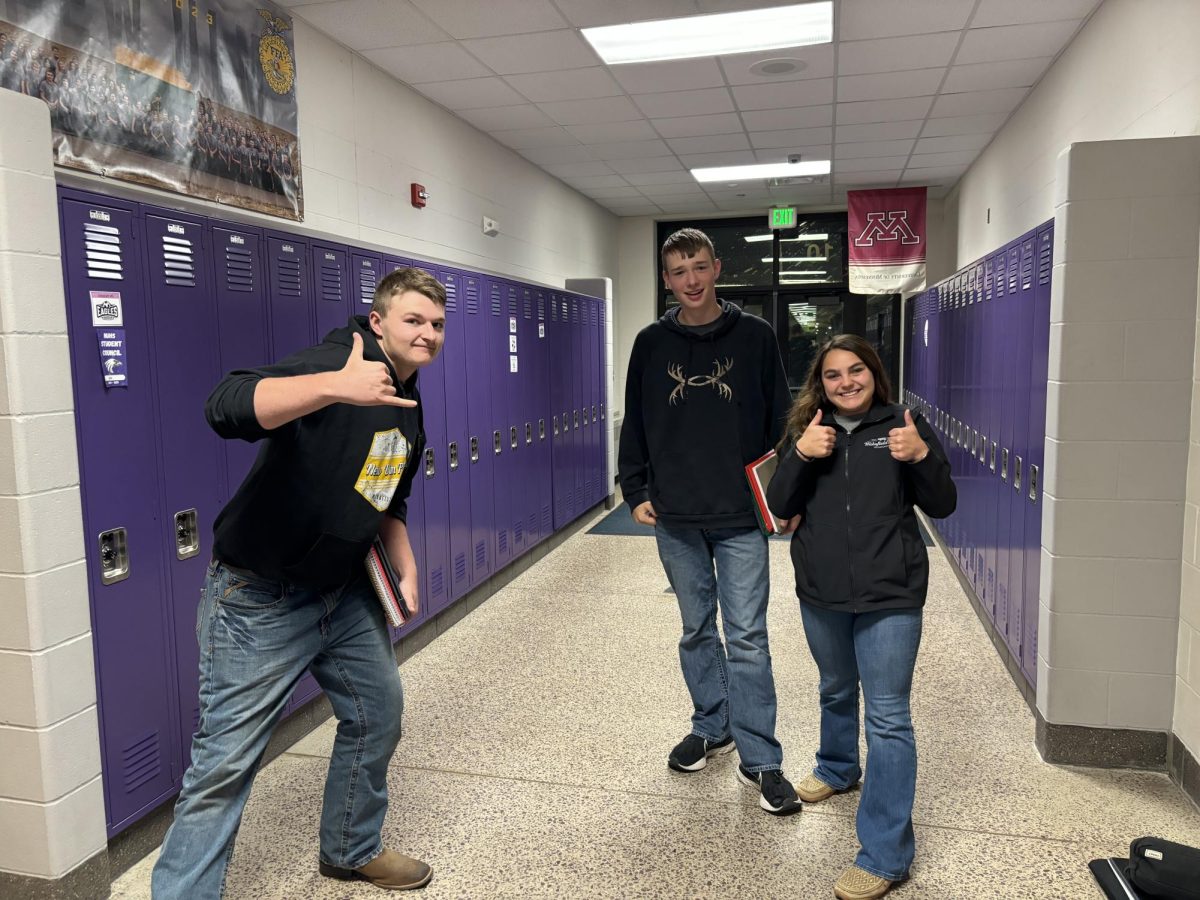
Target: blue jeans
256,640
732,687
878,650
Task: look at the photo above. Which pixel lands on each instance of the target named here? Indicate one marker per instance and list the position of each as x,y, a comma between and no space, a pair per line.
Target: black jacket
316,495
858,547
697,409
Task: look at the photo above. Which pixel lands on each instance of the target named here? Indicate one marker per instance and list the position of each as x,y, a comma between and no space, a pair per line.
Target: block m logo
886,226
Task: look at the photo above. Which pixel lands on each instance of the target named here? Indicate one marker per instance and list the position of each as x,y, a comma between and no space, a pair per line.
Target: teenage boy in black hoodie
705,394
286,591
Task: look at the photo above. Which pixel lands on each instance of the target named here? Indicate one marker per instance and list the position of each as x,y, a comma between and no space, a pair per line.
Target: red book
386,584
759,474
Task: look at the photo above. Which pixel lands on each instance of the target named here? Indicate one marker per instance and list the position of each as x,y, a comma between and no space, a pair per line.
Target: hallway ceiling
908,92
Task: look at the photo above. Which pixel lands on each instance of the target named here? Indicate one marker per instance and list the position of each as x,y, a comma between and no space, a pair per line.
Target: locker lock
593,413
497,443
452,452
554,420
430,468
541,429
528,432
114,556
1017,473
576,420
512,437
187,534
1004,464
474,450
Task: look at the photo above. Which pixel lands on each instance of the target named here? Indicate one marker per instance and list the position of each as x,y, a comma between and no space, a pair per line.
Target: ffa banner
192,96
886,231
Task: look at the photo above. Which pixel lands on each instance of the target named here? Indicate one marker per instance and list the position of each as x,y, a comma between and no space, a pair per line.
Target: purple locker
480,399
332,302
606,481
1006,323
544,454
527,421
992,358
578,478
499,418
118,469
558,367
415,520
518,395
183,322
456,447
432,385
366,271
239,279
596,462
290,295
1038,374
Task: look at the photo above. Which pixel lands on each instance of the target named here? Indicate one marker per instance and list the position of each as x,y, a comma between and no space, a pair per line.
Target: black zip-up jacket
698,408
858,547
316,495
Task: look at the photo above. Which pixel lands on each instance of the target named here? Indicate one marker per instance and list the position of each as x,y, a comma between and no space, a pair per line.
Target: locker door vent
1014,260
141,762
541,308
102,248
546,519
1027,265
594,321
532,524
497,300
1000,278
451,285
471,295
1045,253
331,281
988,277
460,568
518,533
553,309
480,554
437,582
502,540
179,263
528,306
239,270
512,301
288,269
368,280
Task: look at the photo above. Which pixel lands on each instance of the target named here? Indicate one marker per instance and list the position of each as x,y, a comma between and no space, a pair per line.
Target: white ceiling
909,91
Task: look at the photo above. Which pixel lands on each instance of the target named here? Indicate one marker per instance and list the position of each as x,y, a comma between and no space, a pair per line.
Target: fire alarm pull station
419,195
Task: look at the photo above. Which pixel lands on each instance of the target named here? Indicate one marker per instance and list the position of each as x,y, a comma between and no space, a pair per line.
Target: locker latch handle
512,436
1017,474
992,464
453,454
602,412
430,467
1033,484
497,444
554,419
983,445
1004,464
187,534
474,450
114,556
593,414
541,429
528,432
585,417
576,420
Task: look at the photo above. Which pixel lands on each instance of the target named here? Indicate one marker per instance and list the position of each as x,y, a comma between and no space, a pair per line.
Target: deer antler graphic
720,370
676,372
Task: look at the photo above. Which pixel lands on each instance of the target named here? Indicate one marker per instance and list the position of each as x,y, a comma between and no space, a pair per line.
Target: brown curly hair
812,394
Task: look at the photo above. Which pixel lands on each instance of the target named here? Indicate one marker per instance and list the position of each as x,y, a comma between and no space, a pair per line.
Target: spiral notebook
386,583
759,474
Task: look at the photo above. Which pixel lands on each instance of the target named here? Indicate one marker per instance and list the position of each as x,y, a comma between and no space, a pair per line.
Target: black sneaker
692,753
776,794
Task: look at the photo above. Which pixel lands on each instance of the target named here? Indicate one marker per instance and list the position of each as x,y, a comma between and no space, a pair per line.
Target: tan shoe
813,790
856,884
390,870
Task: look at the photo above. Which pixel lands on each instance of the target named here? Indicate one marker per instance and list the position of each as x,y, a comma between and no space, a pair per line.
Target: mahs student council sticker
384,466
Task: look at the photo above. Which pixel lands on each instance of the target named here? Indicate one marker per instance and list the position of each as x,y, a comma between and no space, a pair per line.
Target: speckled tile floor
534,763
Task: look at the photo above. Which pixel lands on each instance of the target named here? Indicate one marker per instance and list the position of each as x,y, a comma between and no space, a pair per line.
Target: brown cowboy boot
390,870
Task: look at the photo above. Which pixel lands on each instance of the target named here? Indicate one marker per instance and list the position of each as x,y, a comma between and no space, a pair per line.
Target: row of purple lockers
515,416
978,369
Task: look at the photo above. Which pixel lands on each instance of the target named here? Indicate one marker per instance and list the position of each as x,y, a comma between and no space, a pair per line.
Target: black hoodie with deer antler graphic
700,405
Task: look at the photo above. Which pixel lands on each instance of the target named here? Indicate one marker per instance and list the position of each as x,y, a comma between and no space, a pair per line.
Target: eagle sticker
383,468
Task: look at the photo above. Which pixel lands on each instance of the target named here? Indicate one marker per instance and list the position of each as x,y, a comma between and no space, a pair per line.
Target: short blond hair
407,279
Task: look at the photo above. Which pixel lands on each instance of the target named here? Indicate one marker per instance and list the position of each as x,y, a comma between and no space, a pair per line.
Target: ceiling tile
951,142
706,160
816,61
876,164
919,51
632,208
993,75
878,131
798,138
462,19
672,75
713,143
544,51
645,166
867,178
815,92
935,160
975,102
964,124
862,19
779,119
615,193
890,85
905,109
629,150
370,24
656,191
506,118
781,154
867,149
590,112
694,126
577,169
589,13
536,138
585,182
445,61
685,103
687,206
1015,12
659,178
1014,42
568,84
471,93
941,174
542,156
612,132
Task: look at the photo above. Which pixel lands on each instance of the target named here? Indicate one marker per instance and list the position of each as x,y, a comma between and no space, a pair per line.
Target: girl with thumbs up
854,465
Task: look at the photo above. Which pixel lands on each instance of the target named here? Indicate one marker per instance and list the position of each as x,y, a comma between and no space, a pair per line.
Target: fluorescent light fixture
751,238
803,259
763,170
807,237
714,35
808,276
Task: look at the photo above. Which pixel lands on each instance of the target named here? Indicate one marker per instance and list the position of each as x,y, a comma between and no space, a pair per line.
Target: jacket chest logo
383,468
876,443
720,370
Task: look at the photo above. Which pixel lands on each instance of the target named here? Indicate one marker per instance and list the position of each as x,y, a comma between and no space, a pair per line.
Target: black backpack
1164,870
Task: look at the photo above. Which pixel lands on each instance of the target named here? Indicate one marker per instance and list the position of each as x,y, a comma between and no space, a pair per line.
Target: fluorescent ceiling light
763,170
714,35
803,259
808,277
751,238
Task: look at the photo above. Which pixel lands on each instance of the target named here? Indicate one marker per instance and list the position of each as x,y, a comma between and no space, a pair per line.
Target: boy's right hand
362,382
818,440
644,514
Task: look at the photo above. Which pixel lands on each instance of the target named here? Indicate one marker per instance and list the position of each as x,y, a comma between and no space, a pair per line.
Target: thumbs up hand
906,444
818,440
362,382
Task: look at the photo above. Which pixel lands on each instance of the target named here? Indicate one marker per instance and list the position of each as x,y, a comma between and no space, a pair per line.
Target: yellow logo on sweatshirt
384,466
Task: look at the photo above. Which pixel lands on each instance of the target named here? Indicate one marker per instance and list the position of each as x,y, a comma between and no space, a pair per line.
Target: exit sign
782,216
